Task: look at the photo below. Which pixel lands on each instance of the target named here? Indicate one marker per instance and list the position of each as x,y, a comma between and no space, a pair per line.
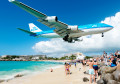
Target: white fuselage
90,32
79,33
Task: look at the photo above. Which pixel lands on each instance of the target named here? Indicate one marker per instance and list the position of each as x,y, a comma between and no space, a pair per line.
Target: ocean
9,69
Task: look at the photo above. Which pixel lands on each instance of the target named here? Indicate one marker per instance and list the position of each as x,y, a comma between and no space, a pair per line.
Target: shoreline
28,73
58,76
40,60
22,76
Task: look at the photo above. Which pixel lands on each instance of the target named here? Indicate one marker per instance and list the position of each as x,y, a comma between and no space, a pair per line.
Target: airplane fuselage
87,30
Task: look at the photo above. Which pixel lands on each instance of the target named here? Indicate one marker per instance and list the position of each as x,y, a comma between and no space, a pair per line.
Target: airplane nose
110,28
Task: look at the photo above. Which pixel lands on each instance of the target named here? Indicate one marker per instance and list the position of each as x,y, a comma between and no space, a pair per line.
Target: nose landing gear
102,34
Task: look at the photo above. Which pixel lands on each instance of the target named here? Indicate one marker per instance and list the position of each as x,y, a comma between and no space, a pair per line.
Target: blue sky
73,12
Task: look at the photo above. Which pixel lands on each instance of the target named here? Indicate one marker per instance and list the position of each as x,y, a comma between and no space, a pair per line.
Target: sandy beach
58,76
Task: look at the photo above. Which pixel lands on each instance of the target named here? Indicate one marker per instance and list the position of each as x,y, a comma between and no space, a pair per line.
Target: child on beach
51,70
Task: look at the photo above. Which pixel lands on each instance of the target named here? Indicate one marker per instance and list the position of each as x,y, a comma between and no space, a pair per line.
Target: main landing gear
66,38
71,40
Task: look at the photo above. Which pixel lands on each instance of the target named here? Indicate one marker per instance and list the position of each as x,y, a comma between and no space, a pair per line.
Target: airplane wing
61,28
26,31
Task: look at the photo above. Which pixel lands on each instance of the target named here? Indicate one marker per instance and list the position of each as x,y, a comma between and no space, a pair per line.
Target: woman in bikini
67,68
95,67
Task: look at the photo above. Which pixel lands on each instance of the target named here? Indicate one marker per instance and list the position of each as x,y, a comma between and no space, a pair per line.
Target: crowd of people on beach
111,60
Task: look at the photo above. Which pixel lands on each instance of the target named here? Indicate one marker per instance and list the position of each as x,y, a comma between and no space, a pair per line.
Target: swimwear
91,71
113,65
95,67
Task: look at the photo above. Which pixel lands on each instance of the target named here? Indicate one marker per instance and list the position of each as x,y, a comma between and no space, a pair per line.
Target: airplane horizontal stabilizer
26,31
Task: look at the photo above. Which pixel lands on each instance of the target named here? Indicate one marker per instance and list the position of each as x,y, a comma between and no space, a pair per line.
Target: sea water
8,69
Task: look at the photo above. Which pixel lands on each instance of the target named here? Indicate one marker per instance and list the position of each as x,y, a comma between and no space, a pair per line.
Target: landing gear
70,40
66,38
78,39
102,34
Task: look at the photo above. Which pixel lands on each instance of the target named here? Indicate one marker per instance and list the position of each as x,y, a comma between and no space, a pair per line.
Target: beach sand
58,76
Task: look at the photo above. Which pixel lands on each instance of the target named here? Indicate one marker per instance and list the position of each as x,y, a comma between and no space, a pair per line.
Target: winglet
11,0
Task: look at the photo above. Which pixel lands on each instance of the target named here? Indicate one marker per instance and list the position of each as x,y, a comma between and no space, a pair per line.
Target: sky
72,12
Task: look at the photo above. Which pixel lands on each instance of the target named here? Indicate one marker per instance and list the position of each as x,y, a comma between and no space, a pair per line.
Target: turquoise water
8,69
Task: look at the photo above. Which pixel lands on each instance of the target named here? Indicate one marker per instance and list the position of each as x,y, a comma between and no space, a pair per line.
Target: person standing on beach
119,54
105,57
116,53
91,70
75,64
83,63
67,70
95,67
112,57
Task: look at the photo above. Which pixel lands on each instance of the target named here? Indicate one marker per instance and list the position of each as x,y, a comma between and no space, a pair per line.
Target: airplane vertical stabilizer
34,28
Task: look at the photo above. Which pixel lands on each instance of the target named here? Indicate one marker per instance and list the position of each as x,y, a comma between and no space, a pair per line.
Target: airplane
69,33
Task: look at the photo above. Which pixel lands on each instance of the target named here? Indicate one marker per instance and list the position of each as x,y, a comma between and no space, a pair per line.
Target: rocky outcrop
116,75
18,75
86,72
110,69
112,82
2,81
109,75
105,69
85,79
100,81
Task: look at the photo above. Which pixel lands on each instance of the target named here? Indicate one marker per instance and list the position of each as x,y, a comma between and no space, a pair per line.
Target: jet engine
73,28
52,19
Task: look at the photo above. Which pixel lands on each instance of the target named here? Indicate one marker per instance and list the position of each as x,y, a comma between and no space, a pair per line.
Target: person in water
91,70
95,67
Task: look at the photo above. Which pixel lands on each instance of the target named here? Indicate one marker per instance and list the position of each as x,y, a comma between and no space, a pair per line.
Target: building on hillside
35,57
23,57
3,56
79,56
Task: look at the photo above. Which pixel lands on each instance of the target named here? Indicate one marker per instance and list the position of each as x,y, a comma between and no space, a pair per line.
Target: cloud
95,44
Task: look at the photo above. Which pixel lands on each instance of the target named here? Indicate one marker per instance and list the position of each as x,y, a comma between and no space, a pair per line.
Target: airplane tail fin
34,28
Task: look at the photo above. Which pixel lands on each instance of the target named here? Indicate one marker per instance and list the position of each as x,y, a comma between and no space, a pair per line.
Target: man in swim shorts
91,70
